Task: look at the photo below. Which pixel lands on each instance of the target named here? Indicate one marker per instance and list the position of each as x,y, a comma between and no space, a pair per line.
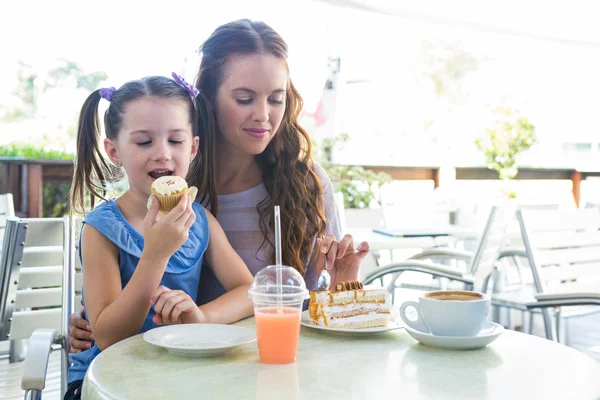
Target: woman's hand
174,307
343,261
80,332
162,238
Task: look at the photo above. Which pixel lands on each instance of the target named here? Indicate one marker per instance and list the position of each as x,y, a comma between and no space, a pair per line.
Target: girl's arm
116,313
232,273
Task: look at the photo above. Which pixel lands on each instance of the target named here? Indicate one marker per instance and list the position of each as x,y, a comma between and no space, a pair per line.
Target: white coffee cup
449,313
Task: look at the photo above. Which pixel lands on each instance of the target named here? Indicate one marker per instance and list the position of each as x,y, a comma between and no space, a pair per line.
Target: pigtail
202,170
91,168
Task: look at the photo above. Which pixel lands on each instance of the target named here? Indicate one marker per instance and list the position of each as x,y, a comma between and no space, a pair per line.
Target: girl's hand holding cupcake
162,238
175,307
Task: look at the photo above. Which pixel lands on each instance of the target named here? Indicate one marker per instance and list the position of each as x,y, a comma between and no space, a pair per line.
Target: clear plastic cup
277,313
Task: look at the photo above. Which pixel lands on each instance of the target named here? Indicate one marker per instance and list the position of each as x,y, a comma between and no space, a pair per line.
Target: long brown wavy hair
94,173
287,166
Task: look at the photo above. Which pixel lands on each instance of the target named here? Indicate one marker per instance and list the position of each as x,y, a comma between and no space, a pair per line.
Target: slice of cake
350,307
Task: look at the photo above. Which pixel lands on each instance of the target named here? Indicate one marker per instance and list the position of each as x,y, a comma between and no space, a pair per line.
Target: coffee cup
448,313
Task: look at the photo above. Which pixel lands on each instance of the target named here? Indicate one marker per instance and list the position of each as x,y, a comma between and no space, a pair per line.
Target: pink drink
278,333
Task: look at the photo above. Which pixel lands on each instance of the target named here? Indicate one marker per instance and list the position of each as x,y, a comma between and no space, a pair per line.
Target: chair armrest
427,267
444,252
572,301
36,361
568,295
513,252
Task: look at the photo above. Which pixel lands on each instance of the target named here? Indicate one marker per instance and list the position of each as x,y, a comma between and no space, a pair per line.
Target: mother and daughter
235,136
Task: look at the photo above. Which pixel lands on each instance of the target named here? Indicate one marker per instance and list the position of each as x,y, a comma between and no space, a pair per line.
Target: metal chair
36,299
480,263
563,253
7,209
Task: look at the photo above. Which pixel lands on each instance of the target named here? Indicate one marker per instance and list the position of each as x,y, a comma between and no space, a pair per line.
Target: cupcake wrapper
168,202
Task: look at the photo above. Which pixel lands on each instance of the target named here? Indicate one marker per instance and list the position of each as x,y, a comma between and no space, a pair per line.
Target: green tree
64,74
59,75
509,135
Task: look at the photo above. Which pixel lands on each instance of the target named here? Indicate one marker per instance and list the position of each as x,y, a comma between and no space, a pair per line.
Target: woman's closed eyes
249,101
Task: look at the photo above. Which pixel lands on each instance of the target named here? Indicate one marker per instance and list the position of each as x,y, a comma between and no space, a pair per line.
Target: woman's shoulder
319,170
322,174
329,204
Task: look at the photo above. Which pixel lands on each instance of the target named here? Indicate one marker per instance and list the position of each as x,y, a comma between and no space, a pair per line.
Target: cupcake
169,190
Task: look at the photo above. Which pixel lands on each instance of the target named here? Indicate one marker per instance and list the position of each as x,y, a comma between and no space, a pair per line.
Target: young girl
142,269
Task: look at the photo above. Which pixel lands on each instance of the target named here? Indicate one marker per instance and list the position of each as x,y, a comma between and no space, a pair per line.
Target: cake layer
347,297
355,322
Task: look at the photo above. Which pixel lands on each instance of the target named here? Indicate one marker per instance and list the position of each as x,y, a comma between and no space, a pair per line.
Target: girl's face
251,102
155,140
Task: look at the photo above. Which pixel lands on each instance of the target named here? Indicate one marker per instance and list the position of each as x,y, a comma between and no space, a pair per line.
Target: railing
481,173
24,178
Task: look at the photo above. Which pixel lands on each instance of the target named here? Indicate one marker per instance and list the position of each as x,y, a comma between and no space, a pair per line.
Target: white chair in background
36,299
7,209
479,265
563,253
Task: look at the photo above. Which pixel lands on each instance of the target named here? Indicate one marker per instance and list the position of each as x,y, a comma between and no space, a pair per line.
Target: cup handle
418,324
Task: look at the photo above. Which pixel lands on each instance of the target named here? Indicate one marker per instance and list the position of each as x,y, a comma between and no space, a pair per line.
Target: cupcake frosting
166,185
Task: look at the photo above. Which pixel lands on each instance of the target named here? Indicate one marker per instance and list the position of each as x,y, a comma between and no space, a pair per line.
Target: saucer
200,340
488,334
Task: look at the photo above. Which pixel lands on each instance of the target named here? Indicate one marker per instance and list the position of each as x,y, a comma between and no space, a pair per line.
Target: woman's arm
232,273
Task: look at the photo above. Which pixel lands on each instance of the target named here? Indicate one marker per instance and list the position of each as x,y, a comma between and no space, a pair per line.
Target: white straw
278,256
277,236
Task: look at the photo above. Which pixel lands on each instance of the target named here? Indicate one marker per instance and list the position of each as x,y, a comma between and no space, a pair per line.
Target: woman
263,158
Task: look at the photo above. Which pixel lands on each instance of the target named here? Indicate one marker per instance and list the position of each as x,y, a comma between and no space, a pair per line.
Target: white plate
200,340
394,323
488,334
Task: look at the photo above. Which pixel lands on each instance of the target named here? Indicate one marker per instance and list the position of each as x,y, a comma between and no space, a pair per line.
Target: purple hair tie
189,88
107,93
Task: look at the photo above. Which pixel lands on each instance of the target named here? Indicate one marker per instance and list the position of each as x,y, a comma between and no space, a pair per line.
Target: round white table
392,364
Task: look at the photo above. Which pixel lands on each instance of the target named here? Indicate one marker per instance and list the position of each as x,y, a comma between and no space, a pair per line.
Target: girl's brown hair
94,173
287,165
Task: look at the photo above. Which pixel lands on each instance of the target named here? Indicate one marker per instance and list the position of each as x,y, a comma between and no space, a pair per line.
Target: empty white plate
488,334
200,340
394,323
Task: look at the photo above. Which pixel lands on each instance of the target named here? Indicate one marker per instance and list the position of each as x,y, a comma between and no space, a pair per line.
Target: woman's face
251,101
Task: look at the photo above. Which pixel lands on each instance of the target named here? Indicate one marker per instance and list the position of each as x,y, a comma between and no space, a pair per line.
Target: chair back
489,244
75,264
561,246
7,209
35,254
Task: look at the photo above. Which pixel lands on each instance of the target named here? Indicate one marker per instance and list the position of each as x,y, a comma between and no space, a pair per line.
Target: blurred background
424,99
